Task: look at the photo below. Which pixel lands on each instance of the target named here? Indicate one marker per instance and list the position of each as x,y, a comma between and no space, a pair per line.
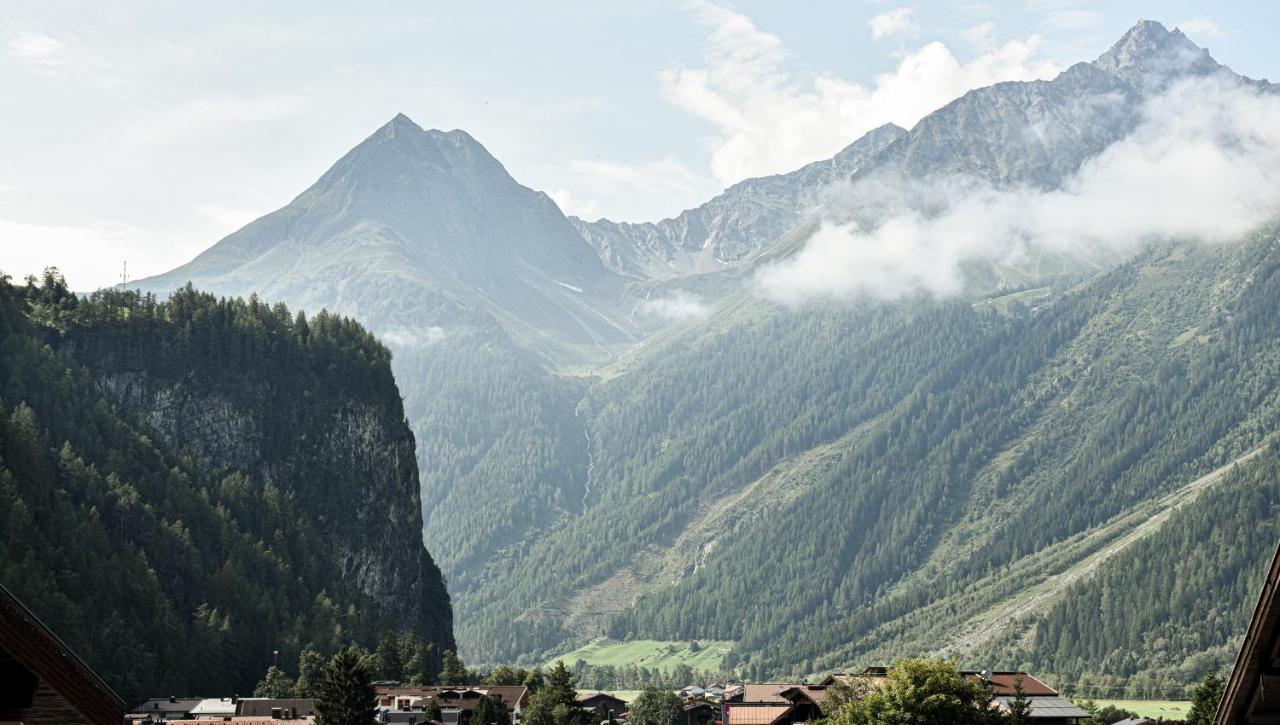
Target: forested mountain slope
204,476
923,447
1172,606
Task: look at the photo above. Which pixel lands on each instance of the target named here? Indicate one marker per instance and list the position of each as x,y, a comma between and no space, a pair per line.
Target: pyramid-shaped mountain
417,227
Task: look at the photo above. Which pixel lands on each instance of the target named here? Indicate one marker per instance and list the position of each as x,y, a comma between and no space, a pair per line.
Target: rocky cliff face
346,459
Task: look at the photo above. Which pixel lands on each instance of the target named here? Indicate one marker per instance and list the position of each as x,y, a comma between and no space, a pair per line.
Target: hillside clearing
650,653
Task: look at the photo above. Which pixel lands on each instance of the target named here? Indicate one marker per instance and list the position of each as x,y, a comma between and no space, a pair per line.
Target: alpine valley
618,435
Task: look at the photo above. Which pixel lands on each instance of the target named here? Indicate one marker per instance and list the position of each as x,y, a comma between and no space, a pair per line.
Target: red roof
766,692
738,714
1002,683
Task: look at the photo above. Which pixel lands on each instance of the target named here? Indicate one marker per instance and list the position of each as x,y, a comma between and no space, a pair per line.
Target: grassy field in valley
1167,709
650,653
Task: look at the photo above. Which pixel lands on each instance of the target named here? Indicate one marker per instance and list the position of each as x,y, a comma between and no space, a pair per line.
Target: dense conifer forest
837,484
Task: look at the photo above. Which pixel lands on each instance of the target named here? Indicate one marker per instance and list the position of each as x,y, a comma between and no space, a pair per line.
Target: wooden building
44,682
1252,694
590,702
402,704
700,711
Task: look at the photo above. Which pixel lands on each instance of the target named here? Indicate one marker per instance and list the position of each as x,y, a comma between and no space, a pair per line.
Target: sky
146,131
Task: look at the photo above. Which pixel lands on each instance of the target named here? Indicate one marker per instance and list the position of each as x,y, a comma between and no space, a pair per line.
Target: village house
1252,693
293,708
614,706
163,709
215,708
789,704
45,683
700,711
408,704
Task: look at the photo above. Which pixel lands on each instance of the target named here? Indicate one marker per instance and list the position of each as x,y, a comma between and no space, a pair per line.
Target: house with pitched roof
398,704
1252,693
45,682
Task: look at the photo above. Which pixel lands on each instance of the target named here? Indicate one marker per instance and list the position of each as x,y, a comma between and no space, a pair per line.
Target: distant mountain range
802,482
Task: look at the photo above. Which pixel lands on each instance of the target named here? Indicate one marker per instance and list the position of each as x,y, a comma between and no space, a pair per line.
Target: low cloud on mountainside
677,306
413,337
1204,164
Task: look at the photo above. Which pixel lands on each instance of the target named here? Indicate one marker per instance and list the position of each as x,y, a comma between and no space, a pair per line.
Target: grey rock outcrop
348,462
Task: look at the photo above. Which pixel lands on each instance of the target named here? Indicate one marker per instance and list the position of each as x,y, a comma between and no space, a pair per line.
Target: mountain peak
1151,52
400,123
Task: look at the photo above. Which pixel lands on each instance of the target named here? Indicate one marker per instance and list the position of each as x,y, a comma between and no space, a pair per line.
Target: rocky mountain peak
1150,55
401,123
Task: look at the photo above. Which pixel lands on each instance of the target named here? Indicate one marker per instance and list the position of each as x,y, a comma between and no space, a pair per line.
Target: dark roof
34,646
167,704
588,697
1048,707
799,693
463,697
1253,690
262,706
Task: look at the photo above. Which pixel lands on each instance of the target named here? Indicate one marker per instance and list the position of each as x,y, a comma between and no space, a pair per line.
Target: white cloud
769,120
205,115
413,337
1064,15
653,189
38,50
89,255
979,35
1203,165
676,307
225,218
573,205
1200,28
895,22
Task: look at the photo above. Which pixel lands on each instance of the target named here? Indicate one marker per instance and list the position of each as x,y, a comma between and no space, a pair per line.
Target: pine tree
390,662
485,712
1204,703
560,687
454,672
310,672
417,665
432,712
276,684
1019,706
345,695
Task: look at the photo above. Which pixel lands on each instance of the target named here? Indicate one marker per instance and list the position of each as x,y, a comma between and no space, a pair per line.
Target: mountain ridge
905,445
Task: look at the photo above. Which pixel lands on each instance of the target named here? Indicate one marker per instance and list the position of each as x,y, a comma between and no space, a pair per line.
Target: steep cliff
247,475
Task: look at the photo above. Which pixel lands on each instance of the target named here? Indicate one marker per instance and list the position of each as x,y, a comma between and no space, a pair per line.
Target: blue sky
147,131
